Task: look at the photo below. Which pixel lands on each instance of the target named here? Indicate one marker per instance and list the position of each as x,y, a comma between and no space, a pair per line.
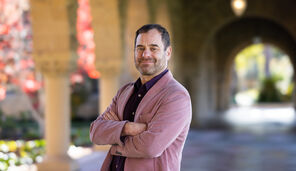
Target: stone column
108,49
163,18
57,125
137,15
52,56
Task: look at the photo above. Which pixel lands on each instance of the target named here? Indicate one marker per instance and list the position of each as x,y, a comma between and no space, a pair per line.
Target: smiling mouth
147,62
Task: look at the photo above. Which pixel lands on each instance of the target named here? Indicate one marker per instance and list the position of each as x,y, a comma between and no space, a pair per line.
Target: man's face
150,56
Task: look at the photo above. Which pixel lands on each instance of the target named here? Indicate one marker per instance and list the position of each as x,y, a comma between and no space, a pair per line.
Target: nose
146,53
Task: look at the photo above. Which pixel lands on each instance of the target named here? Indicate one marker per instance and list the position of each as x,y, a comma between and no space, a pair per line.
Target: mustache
146,60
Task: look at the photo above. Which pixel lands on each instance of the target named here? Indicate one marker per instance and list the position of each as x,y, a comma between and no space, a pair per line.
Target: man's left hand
110,116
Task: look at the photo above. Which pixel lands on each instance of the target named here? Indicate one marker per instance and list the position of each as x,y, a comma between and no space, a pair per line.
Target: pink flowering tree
17,69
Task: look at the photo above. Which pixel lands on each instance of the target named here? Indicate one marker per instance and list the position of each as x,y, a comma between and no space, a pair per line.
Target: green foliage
20,152
288,95
80,134
79,95
249,59
252,66
14,151
269,92
12,128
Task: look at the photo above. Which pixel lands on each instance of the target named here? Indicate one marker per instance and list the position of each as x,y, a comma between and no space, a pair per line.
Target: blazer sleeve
169,121
103,132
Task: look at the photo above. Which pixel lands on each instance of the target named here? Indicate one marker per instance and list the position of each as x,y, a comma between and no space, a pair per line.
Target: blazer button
133,113
139,95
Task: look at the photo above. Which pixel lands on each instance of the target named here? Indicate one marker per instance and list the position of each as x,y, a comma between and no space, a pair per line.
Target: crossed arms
130,128
143,140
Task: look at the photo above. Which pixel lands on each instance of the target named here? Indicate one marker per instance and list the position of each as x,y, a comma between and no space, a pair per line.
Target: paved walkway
228,151
259,142
254,145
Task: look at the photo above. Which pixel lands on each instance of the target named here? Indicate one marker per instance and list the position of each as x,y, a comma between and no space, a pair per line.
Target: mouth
151,61
146,62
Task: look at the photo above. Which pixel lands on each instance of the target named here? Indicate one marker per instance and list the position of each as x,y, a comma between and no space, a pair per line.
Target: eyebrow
154,45
140,46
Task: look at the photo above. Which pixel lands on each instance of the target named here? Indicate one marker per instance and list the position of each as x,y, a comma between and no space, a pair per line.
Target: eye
140,49
153,49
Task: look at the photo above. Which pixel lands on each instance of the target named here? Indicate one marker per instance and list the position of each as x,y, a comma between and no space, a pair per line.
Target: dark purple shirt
130,108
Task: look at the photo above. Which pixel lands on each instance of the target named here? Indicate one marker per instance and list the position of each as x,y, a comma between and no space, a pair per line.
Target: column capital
50,66
109,67
52,41
107,36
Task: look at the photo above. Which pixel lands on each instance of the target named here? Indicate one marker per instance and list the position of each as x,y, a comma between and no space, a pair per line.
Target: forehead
151,37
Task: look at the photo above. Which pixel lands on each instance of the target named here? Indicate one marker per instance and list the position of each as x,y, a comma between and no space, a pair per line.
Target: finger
103,116
114,116
107,117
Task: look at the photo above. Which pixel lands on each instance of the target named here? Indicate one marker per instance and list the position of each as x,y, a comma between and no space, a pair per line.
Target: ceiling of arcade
212,35
246,31
208,21
196,25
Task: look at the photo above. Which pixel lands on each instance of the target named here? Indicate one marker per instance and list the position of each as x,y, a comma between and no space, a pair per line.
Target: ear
168,52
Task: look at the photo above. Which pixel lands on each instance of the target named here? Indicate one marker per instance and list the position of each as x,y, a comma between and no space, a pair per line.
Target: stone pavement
239,151
92,162
228,151
259,141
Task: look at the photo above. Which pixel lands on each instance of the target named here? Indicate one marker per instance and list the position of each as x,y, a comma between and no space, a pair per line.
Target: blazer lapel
123,100
155,89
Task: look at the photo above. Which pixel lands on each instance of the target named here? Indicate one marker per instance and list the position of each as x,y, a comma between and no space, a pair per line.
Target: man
148,121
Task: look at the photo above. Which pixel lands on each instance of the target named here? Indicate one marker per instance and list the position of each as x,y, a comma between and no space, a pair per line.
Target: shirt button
133,113
139,95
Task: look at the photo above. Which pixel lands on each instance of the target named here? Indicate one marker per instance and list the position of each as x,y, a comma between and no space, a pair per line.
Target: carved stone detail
106,36
51,38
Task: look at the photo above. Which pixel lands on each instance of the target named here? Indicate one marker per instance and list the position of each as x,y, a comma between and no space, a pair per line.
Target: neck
146,78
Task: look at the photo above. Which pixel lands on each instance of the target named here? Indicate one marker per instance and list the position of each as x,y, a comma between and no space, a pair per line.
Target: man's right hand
133,128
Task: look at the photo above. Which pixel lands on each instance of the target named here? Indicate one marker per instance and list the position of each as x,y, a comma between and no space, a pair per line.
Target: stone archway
237,35
199,64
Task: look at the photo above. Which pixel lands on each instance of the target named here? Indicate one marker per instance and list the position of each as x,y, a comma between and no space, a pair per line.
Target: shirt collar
151,82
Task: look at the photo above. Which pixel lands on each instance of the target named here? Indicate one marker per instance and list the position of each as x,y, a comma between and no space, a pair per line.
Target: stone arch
238,34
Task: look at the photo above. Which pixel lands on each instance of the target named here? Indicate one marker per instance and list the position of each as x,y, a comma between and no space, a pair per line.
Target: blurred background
62,61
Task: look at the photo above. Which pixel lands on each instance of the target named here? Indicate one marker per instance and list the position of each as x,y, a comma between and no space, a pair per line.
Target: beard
153,67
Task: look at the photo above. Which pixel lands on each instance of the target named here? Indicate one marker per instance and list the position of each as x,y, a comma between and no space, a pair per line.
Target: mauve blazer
166,109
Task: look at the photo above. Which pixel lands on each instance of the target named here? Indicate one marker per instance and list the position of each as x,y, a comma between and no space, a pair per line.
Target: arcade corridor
206,36
251,145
